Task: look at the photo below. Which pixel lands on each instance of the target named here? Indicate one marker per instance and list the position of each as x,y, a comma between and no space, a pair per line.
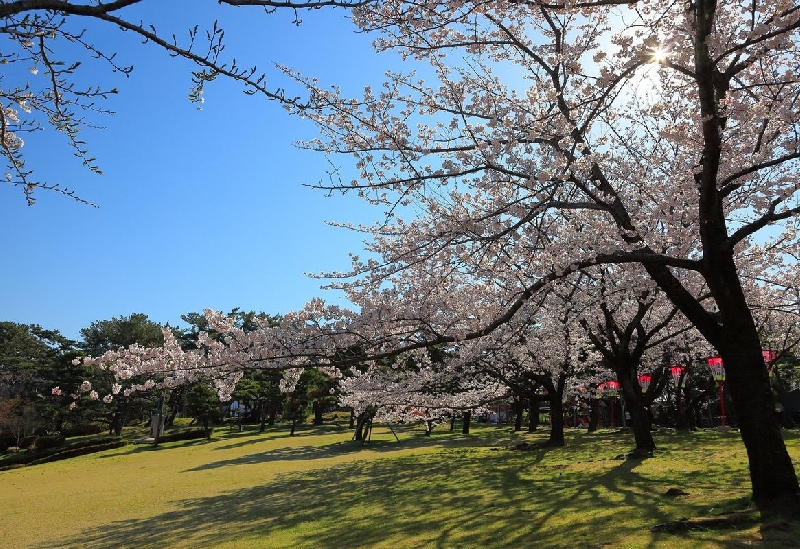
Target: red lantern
769,356
718,371
644,381
676,372
612,390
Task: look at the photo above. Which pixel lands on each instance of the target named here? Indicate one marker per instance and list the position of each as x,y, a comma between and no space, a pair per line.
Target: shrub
73,449
188,434
51,441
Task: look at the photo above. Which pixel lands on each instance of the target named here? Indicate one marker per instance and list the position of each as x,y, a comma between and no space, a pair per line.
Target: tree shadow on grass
309,452
456,497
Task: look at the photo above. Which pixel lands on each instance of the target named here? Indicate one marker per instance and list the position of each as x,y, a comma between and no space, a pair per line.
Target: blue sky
198,208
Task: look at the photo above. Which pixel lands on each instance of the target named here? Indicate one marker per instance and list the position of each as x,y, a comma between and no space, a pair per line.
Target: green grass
318,490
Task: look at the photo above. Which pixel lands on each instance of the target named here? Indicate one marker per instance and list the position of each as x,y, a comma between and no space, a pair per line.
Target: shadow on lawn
309,452
457,497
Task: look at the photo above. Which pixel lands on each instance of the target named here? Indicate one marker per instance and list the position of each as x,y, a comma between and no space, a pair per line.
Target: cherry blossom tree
635,328
539,139
545,138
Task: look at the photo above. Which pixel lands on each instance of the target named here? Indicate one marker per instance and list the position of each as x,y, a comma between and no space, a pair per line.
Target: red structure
677,372
718,371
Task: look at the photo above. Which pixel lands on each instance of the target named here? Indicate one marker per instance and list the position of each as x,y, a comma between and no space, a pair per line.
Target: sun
659,54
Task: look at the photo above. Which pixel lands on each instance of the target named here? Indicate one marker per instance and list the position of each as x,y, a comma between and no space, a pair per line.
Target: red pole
722,403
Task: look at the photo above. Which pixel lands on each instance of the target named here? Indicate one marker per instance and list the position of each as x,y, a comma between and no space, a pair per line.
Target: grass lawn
318,489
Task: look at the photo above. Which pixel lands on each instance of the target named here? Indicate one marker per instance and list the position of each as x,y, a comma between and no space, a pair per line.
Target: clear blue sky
197,208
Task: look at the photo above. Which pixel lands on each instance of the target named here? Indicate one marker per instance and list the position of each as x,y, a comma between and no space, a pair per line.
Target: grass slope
318,489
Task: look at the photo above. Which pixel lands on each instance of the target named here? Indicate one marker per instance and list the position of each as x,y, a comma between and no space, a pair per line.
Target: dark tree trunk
556,418
734,334
466,417
640,415
364,423
317,408
732,331
555,395
294,425
119,418
771,471
519,407
533,412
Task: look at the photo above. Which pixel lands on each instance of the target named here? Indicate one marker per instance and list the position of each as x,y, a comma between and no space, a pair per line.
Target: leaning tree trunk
772,474
734,334
364,420
771,471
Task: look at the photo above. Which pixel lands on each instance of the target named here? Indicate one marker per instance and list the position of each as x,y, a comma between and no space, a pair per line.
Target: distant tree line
43,391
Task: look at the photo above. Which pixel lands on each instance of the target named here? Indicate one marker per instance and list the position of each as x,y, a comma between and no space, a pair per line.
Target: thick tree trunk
772,474
318,410
519,407
533,412
466,417
640,415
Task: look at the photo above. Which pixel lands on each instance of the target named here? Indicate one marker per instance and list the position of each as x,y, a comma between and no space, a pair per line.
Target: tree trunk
362,425
556,418
640,415
318,409
734,334
466,417
519,406
772,474
771,471
533,412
